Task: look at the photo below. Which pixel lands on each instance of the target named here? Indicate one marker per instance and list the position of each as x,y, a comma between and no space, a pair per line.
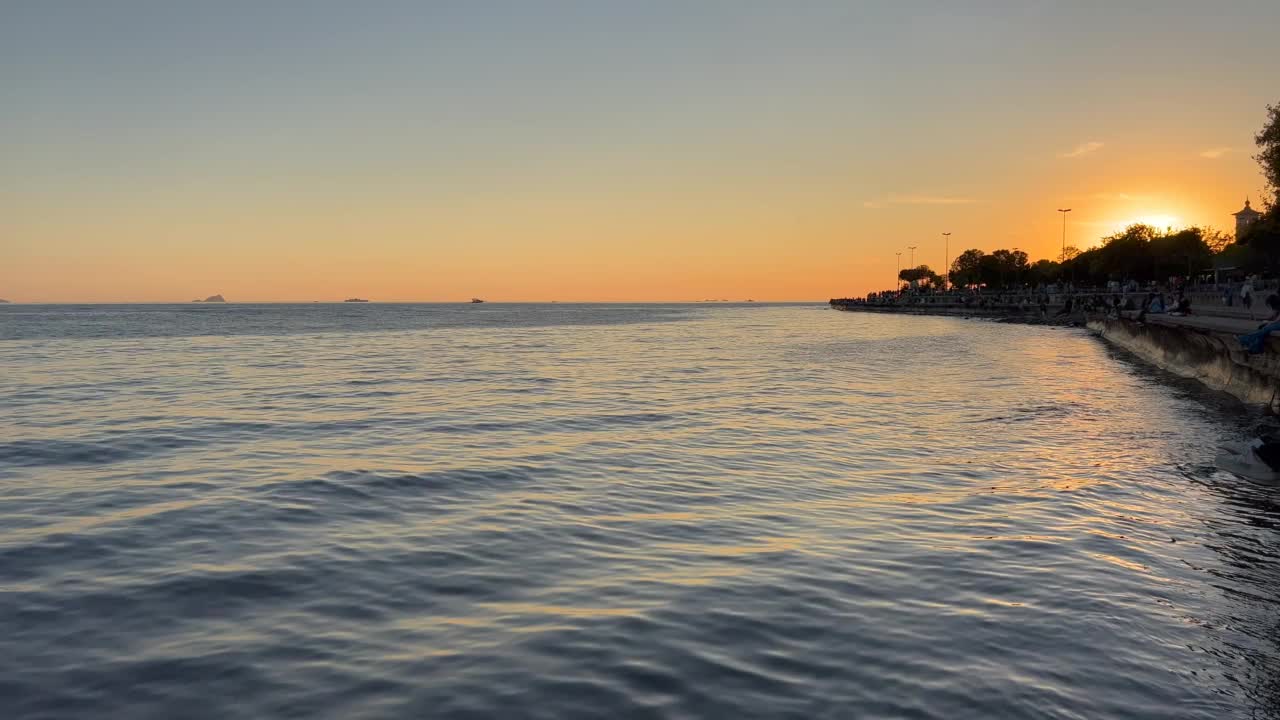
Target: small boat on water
476,301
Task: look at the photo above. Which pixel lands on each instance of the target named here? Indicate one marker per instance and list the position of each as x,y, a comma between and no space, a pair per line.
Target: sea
617,511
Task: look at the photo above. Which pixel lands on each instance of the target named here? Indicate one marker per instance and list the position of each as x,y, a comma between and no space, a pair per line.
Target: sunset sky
274,151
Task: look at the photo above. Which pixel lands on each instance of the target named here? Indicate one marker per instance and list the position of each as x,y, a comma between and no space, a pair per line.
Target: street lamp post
946,262
912,248
1064,232
1064,239
897,273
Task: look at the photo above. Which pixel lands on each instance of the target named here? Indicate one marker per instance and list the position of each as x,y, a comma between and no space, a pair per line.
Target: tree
1262,239
965,268
1125,255
920,275
1011,260
1069,253
1268,140
1004,268
1216,240
1043,271
1182,253
990,271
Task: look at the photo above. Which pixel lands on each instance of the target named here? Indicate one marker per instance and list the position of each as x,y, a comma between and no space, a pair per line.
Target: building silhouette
1245,218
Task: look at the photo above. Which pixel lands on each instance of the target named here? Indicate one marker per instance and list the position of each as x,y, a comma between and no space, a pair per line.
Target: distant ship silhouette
476,300
355,300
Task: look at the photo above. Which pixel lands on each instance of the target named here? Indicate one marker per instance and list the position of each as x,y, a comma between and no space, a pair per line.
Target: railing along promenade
1220,300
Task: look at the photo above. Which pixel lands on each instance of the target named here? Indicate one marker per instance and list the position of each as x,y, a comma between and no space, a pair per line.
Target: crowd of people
1115,300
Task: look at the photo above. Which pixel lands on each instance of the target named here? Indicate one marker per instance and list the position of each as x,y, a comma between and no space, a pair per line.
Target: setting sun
1159,221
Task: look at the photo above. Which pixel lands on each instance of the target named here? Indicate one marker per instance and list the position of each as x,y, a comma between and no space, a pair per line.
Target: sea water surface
613,511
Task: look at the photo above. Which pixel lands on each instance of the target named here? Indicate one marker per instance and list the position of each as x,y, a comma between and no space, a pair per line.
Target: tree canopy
1262,239
919,275
1268,140
1002,267
1139,252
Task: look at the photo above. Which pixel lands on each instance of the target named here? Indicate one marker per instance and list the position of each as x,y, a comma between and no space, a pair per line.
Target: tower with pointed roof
1245,218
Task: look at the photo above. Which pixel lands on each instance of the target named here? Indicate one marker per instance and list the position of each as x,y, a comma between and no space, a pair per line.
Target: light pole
1064,232
946,262
912,248
897,273
1064,239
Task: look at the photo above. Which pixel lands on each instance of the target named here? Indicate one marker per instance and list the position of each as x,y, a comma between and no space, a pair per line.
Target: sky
602,151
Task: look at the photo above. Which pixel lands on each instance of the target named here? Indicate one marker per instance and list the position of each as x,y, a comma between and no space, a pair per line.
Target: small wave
29,453
121,445
605,421
367,485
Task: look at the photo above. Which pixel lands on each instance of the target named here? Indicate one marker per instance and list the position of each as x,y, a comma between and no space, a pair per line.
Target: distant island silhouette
3,301
355,300
212,299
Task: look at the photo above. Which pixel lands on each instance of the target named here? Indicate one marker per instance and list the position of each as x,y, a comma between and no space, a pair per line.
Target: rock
212,299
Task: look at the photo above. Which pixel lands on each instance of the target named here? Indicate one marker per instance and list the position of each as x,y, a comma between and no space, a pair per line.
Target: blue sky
963,114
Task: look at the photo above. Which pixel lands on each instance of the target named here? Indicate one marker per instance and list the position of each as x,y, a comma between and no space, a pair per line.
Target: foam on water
616,511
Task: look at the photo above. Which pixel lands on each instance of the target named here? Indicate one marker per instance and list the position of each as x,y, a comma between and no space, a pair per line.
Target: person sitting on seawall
1153,305
1183,307
1255,341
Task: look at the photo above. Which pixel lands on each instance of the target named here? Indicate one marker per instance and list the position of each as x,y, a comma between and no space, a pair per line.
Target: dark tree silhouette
1262,238
1268,140
919,274
965,268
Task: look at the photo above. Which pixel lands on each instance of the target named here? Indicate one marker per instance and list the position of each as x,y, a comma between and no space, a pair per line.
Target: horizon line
412,302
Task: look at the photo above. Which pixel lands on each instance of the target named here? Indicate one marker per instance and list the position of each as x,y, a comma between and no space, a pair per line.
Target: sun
1159,221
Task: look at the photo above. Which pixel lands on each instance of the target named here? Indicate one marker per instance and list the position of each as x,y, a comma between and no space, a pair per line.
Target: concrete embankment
1206,351
1203,347
1003,313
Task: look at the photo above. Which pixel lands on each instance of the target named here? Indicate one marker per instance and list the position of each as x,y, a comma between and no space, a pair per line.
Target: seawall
1212,356
1202,347
1028,314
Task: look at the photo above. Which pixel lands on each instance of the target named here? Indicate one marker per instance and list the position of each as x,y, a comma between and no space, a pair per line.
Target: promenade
1212,323
1203,344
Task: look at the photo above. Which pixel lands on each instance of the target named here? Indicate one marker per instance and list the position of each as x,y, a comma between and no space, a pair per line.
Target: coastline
1204,348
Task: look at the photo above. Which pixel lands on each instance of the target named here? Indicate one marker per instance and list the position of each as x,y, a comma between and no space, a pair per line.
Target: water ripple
616,511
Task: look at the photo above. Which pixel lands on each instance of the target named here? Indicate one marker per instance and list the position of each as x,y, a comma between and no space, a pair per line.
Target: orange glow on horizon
741,248
620,153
